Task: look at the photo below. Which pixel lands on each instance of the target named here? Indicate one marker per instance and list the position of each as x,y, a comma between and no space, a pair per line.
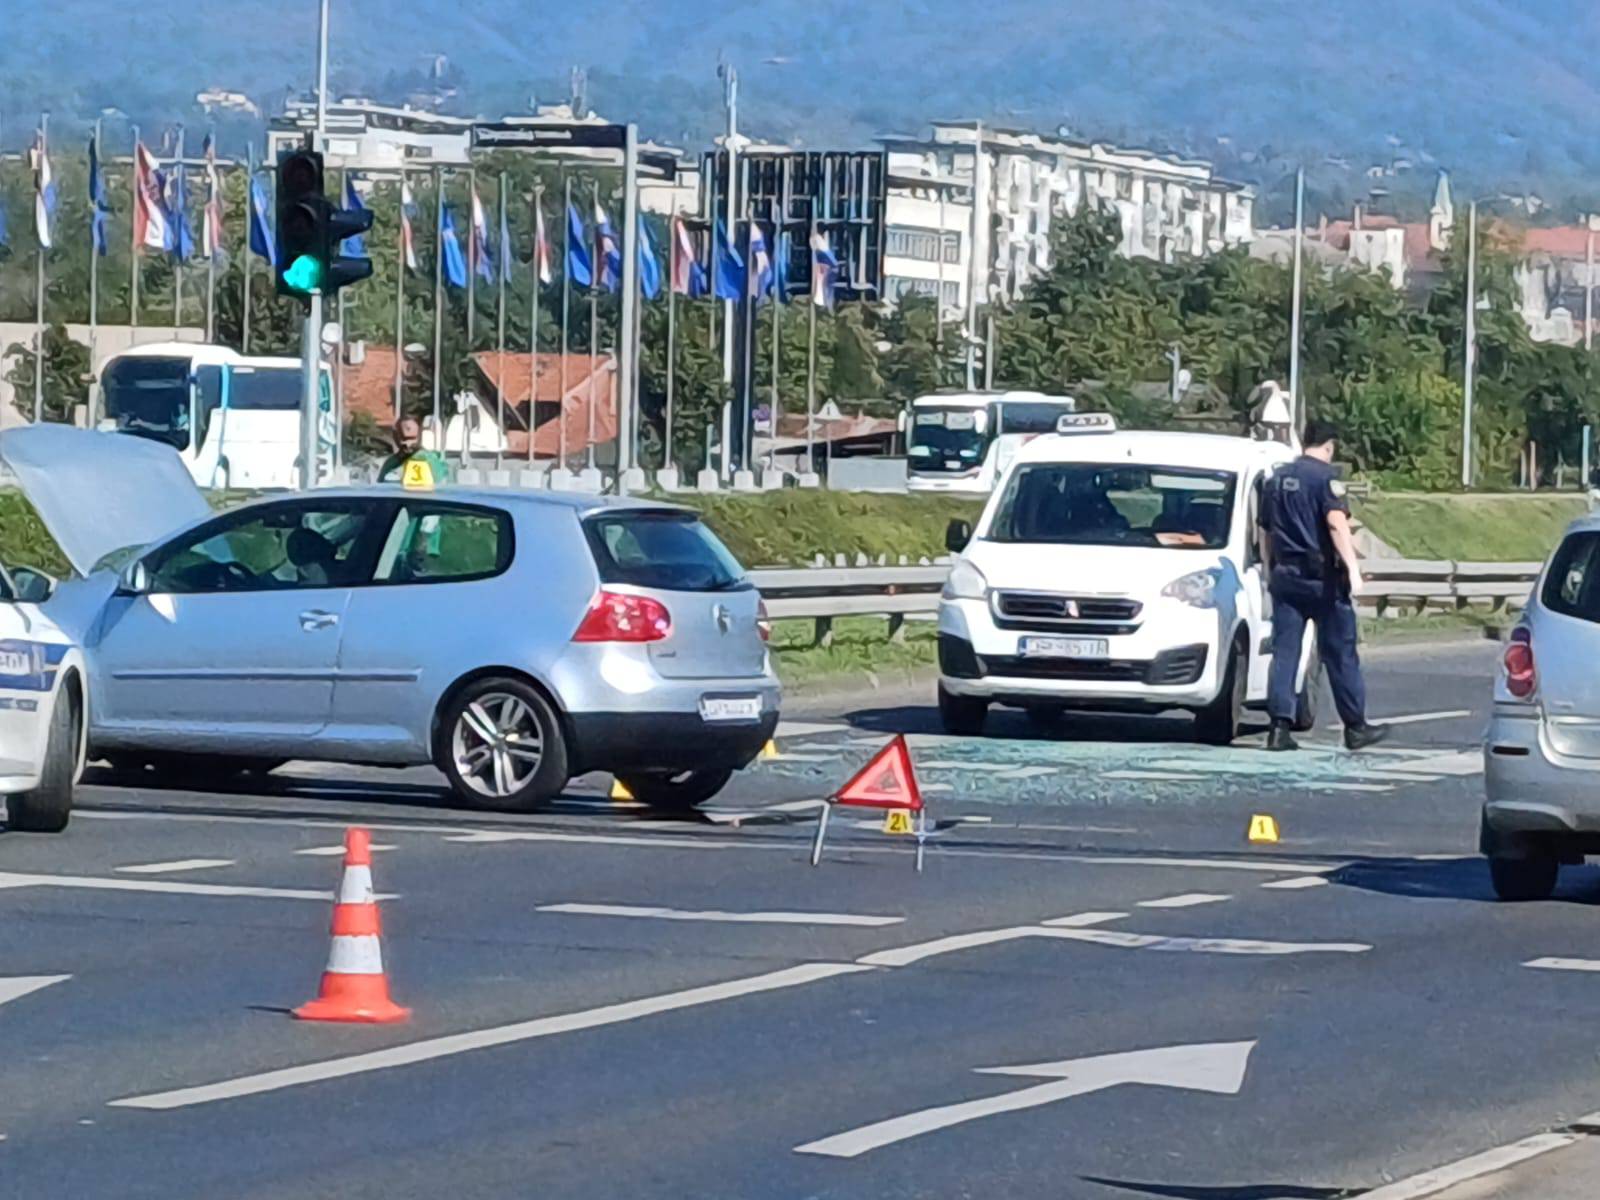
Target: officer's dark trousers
1296,600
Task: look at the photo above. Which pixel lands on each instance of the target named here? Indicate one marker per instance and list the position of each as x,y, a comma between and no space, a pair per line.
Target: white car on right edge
1541,754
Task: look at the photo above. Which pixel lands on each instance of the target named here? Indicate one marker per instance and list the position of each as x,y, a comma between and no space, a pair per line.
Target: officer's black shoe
1278,737
1359,737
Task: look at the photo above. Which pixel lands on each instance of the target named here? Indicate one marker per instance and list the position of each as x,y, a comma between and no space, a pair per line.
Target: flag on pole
579,268
824,270
729,279
180,239
211,226
505,240
98,209
455,266
408,213
760,274
482,252
261,239
610,248
5,234
44,200
356,246
541,245
649,265
688,275
780,268
149,212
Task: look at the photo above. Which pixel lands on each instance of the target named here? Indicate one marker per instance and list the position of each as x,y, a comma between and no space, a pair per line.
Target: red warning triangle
886,782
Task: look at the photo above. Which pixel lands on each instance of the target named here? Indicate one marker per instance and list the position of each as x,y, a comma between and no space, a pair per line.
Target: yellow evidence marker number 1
1263,828
897,820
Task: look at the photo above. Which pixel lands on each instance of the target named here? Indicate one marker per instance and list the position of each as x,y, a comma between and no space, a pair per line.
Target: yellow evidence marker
1263,828
897,820
418,476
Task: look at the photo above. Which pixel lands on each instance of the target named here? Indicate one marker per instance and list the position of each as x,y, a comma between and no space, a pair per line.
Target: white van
1115,570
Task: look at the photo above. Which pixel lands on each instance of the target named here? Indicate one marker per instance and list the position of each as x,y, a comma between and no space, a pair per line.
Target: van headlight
1198,588
966,582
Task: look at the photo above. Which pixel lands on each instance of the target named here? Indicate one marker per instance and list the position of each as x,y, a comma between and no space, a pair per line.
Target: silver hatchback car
513,639
1541,754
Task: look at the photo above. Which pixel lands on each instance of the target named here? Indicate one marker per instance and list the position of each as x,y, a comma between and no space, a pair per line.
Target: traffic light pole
311,390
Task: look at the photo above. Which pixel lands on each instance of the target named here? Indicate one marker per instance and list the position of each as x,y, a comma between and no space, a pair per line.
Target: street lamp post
1471,355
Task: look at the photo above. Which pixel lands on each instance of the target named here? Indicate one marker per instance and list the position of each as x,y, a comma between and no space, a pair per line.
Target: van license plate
16,662
1061,647
730,708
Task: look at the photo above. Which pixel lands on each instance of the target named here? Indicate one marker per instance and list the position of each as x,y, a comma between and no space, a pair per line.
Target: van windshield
947,439
1101,504
149,396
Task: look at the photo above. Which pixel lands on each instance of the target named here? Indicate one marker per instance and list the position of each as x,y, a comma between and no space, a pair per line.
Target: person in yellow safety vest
408,449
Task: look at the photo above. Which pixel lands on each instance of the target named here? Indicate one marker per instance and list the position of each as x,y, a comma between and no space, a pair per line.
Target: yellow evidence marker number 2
897,820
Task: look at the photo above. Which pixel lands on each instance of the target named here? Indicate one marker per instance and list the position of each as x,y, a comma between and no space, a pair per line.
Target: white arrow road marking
19,986
1195,945
749,918
1212,1067
182,864
1564,964
16,879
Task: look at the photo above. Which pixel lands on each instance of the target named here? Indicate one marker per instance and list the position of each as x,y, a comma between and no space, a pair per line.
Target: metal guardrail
824,592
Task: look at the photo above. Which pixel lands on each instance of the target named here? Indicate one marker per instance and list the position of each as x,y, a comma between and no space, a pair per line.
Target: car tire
1310,697
525,770
962,715
1532,877
48,807
678,792
1217,724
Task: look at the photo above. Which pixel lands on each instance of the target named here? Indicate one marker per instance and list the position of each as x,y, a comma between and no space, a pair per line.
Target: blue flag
759,263
649,265
780,268
505,243
579,270
357,245
97,200
728,275
609,250
455,263
262,242
180,236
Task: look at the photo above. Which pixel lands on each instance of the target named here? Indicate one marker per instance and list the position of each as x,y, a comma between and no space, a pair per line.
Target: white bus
961,442
235,421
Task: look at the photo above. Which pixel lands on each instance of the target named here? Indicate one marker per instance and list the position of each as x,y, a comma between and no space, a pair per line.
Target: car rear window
1572,585
670,551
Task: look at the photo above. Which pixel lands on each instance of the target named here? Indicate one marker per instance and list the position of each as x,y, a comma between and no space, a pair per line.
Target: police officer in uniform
1313,572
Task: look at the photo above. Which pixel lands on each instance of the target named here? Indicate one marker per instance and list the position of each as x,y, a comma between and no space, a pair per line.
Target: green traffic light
304,274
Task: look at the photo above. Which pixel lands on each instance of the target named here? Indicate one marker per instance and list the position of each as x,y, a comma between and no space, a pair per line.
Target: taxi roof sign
1092,422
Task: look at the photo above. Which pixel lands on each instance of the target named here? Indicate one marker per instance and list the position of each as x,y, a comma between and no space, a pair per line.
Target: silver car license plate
15,662
1065,647
730,708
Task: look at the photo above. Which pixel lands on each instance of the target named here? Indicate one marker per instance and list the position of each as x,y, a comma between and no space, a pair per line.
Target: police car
1115,570
42,707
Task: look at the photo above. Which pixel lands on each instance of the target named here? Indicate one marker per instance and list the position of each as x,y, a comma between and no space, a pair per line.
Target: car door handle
316,619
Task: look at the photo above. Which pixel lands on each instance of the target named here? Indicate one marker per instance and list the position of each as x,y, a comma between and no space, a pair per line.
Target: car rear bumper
1530,788
662,741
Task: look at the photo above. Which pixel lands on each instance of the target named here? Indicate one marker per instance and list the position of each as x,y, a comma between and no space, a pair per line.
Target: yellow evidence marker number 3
418,475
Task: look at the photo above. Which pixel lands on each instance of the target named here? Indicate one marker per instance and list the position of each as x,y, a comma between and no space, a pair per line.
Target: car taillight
763,622
620,617
1521,678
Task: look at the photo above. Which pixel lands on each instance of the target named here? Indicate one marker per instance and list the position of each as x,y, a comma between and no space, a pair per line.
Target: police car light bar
1097,422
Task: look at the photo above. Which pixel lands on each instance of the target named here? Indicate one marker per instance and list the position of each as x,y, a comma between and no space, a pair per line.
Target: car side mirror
135,579
30,586
956,536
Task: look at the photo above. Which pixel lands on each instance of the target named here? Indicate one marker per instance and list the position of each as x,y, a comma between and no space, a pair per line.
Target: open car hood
99,492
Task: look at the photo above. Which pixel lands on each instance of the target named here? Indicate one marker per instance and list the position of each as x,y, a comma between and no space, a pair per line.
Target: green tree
66,374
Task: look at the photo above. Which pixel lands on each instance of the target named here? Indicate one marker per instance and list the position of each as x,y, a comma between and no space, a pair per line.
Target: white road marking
1187,900
744,918
333,851
1449,714
19,986
479,1039
1264,865
1430,1183
1156,776
1194,945
11,879
1083,920
1564,964
1458,762
904,956
1294,885
1027,772
182,864
1218,1068
1332,786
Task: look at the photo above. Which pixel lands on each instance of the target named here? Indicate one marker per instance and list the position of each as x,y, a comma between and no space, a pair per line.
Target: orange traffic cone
354,987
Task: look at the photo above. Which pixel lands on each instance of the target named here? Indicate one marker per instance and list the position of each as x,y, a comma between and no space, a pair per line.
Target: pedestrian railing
828,590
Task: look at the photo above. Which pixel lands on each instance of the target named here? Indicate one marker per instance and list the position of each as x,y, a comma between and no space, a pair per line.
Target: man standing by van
408,449
1313,569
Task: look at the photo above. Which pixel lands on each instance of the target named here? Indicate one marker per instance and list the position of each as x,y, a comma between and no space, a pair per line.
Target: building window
906,241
